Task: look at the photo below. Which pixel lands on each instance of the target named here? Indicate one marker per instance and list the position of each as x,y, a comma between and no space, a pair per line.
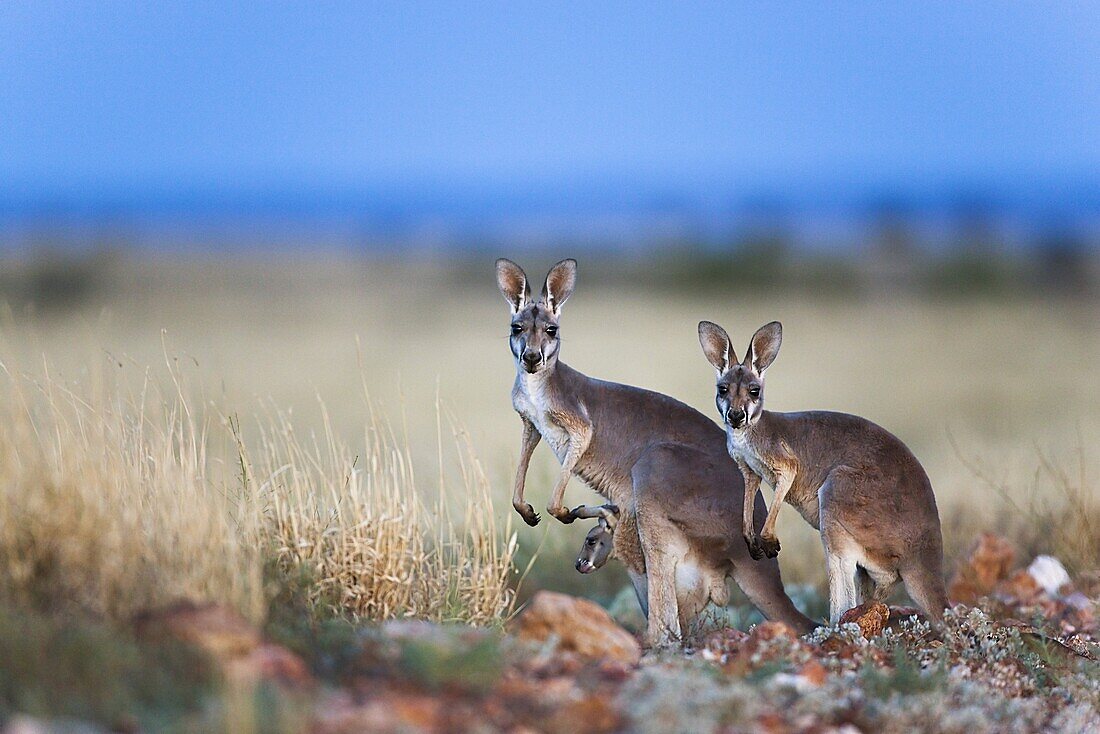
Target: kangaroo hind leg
924,584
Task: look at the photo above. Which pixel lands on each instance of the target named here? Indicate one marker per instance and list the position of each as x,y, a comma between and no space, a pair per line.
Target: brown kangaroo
662,462
855,482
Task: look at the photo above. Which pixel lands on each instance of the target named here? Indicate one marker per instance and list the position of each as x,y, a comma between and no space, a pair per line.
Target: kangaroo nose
531,358
735,417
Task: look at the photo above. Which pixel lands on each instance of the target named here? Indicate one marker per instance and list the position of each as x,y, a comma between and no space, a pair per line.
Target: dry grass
369,539
1054,510
112,502
285,331
109,504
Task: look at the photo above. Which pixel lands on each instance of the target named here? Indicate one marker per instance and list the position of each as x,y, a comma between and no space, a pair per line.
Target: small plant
906,677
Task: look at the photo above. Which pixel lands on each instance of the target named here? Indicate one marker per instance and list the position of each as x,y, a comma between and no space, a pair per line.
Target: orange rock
235,645
814,673
771,630
990,561
590,714
756,644
871,618
217,630
578,625
270,662
1020,586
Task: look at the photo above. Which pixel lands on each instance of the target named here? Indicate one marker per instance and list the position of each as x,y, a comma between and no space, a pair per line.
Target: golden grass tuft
108,505
372,544
112,503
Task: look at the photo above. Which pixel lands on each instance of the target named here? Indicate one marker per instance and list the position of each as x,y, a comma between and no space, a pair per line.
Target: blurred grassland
997,396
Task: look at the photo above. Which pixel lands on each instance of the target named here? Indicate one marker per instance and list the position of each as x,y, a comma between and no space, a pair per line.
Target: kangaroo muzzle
531,359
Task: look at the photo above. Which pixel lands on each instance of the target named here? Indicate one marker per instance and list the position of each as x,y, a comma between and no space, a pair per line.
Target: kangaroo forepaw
753,544
769,545
563,514
528,514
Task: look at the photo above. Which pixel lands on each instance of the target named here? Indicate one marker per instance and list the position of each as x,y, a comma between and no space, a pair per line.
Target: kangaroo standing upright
662,462
852,480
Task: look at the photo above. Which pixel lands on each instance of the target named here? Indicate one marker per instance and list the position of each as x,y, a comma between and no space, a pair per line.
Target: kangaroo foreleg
579,438
748,519
768,544
609,513
531,438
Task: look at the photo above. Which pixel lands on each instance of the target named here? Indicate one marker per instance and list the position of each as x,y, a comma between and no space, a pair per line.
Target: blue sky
131,97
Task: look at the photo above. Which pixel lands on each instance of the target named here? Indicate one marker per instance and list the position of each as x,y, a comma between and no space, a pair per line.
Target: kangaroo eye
754,392
722,389
590,541
516,328
552,330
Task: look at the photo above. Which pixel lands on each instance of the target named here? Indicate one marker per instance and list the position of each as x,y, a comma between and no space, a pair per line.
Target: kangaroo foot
753,543
563,514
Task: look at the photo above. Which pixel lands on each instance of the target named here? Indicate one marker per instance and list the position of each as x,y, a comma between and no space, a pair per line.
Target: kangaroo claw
527,512
755,549
769,546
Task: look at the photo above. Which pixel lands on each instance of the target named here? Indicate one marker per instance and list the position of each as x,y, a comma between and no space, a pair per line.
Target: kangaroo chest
741,450
531,400
802,495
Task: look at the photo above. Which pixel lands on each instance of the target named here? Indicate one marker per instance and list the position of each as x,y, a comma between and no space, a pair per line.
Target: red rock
871,618
758,644
579,626
217,630
990,561
235,645
274,663
1020,586
719,644
814,673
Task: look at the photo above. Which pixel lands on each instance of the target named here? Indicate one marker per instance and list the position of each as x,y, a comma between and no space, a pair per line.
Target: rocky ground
1019,653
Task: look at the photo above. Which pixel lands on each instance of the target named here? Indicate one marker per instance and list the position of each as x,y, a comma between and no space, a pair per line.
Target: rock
1049,573
1021,586
766,641
989,562
269,662
217,630
395,711
814,673
718,645
578,625
871,618
235,645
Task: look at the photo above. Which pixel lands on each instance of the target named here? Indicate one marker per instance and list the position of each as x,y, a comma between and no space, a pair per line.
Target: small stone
814,673
1049,573
990,561
871,618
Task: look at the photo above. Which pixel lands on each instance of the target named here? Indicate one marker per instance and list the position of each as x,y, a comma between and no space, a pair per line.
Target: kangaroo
662,462
855,482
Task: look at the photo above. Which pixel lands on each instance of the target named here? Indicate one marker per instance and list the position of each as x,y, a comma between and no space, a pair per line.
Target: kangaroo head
740,385
597,547
534,325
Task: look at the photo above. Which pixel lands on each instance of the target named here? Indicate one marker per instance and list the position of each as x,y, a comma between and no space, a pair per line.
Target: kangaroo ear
559,285
763,347
716,346
513,284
